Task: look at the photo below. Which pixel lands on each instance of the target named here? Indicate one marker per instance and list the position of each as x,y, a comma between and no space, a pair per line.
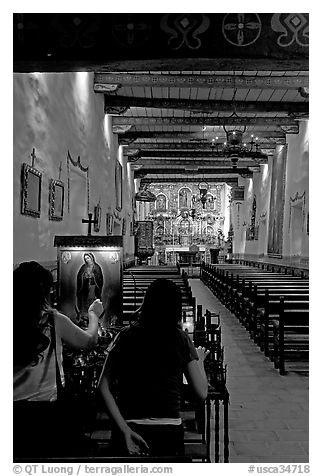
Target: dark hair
162,304
31,287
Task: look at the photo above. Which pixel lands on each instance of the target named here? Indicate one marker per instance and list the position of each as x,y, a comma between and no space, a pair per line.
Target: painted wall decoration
131,30
77,184
241,29
184,29
153,36
297,213
277,201
293,27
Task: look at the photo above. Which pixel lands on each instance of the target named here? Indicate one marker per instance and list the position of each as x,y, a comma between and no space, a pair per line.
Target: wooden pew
272,310
291,339
254,297
262,304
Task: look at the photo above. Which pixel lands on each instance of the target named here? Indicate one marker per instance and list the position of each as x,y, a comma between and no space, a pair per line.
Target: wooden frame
56,200
30,191
74,253
97,217
109,224
118,186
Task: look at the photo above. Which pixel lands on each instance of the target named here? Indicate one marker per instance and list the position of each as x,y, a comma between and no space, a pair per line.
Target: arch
159,231
184,227
161,203
208,230
210,201
184,197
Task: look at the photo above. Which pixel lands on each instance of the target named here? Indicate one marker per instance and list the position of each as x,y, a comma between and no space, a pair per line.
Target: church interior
175,146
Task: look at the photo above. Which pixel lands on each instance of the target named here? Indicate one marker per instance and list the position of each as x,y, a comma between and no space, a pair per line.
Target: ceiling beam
175,135
174,171
103,81
209,154
114,103
204,121
232,181
54,64
192,164
128,150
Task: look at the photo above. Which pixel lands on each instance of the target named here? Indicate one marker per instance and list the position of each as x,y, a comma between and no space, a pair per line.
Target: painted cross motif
241,29
133,31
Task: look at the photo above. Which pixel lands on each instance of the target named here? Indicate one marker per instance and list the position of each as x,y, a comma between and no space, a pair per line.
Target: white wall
56,113
295,237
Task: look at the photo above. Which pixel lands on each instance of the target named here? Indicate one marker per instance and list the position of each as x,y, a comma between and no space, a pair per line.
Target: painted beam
113,104
232,181
191,163
174,171
140,121
193,136
103,81
210,154
180,146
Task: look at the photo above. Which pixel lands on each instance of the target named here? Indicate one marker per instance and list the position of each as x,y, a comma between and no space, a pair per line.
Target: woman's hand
135,444
202,353
96,307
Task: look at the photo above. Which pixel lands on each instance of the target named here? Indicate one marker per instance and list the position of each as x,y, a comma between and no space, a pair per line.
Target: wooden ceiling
172,82
168,121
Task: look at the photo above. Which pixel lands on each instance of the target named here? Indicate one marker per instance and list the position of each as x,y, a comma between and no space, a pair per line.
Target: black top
148,369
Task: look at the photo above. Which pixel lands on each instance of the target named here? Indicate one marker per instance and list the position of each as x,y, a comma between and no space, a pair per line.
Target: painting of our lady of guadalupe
85,275
89,285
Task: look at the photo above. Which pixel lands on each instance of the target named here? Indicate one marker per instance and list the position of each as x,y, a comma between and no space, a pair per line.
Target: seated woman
38,333
142,378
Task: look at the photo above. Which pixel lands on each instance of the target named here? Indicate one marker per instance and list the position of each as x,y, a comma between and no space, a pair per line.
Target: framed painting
277,202
30,191
90,268
109,223
56,200
118,186
97,217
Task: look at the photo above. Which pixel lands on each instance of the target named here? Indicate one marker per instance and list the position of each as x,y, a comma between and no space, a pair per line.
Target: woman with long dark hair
38,333
141,382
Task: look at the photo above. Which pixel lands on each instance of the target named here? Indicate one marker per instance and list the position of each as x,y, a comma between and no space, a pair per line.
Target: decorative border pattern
81,240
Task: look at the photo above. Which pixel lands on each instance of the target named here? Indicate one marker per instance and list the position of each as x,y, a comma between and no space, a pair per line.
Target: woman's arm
196,376
134,443
74,335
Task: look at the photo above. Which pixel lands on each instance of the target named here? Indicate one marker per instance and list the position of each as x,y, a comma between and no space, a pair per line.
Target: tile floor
268,413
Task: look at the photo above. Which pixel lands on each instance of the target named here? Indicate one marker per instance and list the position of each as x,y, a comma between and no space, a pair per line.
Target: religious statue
183,198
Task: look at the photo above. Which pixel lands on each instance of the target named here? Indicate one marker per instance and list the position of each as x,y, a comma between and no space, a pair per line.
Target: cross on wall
90,222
